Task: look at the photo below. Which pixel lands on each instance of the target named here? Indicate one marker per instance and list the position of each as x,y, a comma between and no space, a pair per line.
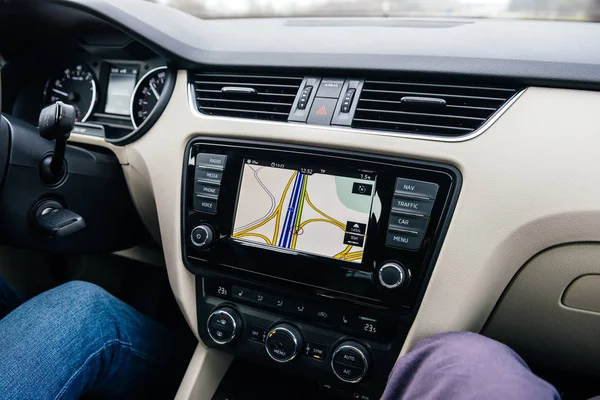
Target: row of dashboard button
355,322
412,205
207,181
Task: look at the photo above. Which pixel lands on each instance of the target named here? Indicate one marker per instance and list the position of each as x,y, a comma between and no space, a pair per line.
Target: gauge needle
154,91
60,92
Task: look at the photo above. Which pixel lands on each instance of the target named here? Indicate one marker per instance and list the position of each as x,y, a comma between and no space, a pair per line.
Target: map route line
290,213
303,194
338,223
343,252
258,235
275,214
273,205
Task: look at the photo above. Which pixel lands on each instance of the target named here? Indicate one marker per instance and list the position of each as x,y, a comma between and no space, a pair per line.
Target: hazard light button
321,111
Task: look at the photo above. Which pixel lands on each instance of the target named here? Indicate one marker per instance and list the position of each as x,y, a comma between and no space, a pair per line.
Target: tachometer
146,94
75,86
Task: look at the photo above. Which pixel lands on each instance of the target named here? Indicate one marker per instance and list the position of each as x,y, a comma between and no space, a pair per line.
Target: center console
311,259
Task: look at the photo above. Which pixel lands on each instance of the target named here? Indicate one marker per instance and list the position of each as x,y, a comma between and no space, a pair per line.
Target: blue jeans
77,339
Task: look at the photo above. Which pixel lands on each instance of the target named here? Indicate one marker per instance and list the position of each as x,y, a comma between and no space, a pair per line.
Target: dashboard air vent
267,97
429,109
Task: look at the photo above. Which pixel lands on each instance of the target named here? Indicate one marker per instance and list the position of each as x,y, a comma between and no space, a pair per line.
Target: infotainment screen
309,210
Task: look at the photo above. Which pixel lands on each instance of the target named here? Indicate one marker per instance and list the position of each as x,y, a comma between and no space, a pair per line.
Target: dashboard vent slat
270,96
454,109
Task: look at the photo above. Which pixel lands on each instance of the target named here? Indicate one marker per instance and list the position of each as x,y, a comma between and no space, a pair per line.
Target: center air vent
423,108
267,97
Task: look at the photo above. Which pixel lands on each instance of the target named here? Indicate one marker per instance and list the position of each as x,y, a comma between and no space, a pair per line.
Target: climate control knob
224,325
350,362
283,343
203,236
391,275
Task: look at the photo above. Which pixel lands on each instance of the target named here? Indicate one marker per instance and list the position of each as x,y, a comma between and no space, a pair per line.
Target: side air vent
430,109
267,97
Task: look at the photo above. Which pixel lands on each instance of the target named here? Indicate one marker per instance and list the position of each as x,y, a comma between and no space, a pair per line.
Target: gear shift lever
56,123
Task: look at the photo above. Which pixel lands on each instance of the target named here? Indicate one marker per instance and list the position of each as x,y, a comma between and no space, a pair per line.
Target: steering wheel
4,139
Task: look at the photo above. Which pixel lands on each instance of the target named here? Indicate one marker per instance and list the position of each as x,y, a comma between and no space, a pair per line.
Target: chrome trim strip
486,125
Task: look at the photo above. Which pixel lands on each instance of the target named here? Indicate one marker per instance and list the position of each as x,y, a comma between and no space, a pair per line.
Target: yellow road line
263,237
299,216
338,223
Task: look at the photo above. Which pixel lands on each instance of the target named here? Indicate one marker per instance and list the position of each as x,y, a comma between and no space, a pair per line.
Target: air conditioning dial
224,325
350,362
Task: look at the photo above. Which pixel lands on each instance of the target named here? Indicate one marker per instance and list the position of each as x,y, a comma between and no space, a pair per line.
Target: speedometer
74,86
146,95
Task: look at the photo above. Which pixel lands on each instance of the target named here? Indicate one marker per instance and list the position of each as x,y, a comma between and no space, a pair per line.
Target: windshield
575,10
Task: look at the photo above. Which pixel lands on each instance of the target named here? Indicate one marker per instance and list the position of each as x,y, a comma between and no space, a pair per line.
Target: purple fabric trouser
464,365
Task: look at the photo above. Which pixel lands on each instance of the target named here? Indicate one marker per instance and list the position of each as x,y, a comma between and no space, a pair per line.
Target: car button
416,188
417,206
208,175
408,222
403,240
205,204
321,111
330,87
211,160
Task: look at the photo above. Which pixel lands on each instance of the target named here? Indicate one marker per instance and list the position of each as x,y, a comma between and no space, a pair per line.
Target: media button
211,160
403,240
416,206
354,239
208,175
408,222
205,204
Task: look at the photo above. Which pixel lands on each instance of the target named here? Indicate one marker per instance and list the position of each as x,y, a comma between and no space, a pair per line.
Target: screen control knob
283,343
203,236
224,325
350,362
391,275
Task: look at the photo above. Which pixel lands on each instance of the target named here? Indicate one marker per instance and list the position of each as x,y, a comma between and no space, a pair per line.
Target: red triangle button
322,111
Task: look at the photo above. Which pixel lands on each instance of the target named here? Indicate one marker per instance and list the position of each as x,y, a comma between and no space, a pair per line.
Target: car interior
308,198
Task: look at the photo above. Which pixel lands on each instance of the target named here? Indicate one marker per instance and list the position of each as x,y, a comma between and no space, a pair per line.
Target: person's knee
82,301
467,348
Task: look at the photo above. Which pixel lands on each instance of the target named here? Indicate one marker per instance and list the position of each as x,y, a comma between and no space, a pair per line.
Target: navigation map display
304,209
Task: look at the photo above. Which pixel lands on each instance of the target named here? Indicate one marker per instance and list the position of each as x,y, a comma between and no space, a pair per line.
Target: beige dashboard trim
120,152
527,185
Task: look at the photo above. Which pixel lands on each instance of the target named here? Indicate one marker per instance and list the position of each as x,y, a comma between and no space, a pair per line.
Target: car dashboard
323,205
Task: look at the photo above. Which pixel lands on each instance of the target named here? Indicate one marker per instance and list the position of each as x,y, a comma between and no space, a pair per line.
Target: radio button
416,188
211,160
205,204
208,175
416,206
409,222
201,188
403,240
